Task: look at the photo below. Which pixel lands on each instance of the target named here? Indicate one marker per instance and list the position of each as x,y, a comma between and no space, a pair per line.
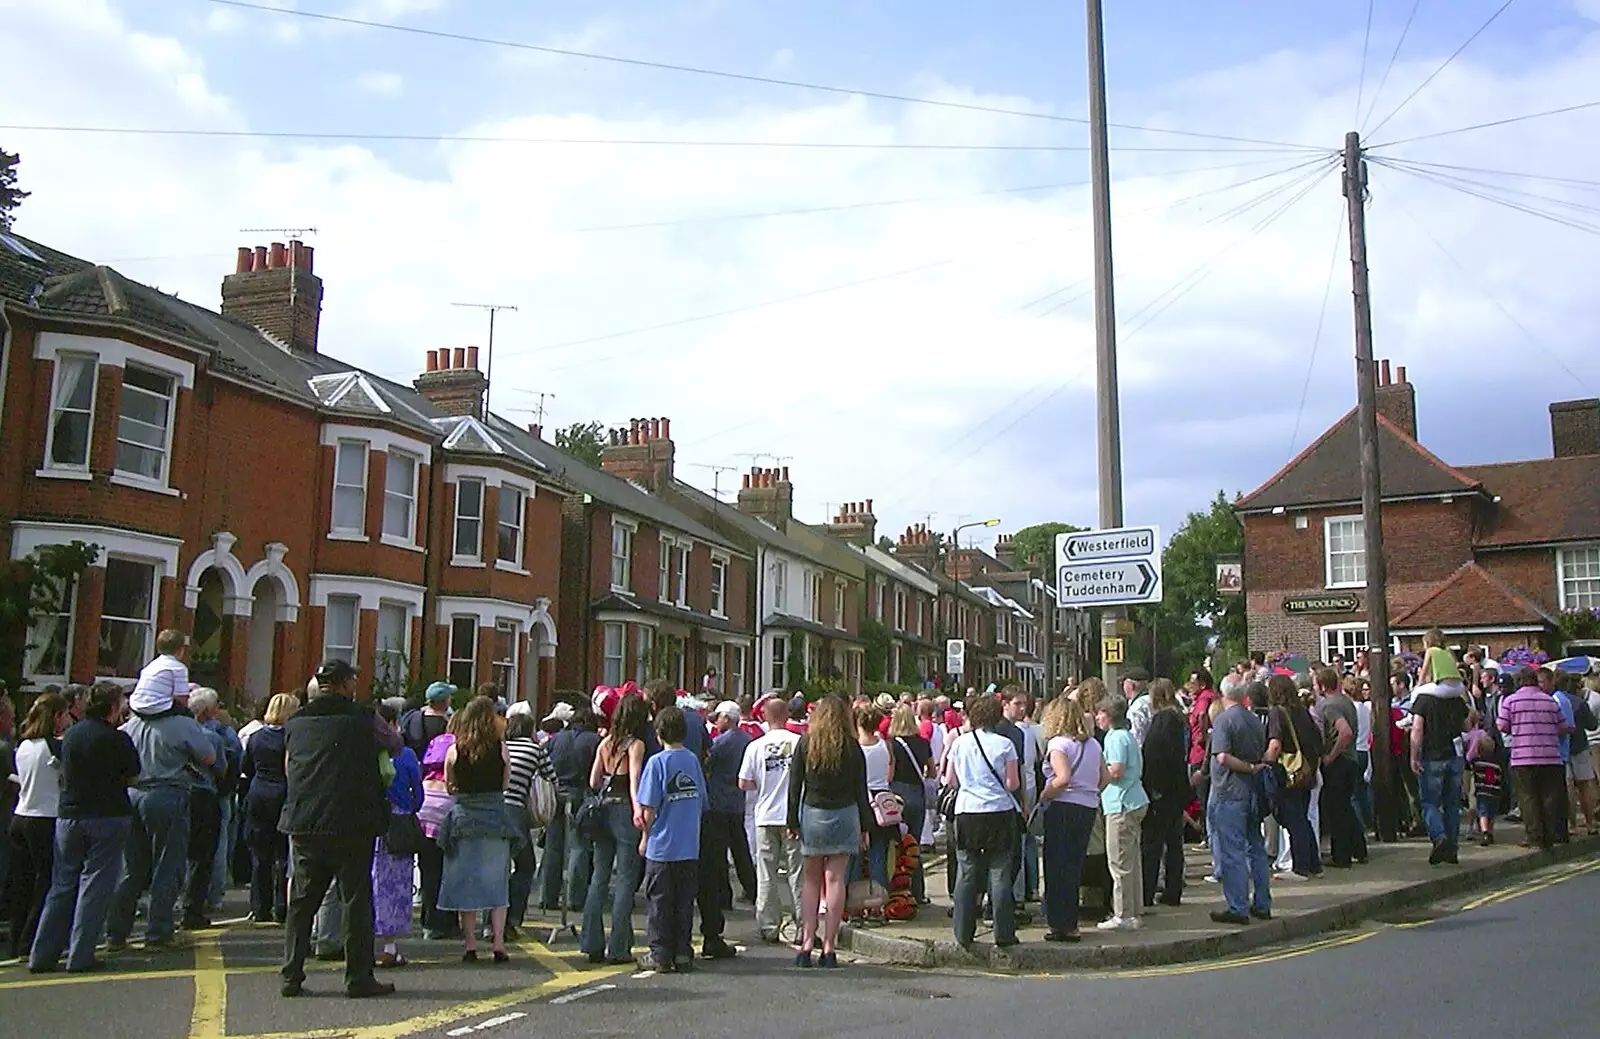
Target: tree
1036,545
1192,615
583,441
10,195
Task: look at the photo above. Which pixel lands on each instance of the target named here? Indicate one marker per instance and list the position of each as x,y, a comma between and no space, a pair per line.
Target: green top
1442,665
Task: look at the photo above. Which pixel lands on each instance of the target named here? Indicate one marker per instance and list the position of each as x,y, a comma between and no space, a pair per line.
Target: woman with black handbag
394,858
610,820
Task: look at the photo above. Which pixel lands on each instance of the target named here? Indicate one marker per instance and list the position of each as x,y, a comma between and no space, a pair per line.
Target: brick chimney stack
452,382
920,546
855,523
274,289
642,453
1006,552
1397,398
1575,428
768,495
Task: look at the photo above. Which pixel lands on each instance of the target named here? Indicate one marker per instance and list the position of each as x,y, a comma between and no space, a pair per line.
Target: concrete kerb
920,952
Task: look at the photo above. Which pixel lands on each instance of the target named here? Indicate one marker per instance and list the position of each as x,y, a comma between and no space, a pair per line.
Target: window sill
139,483
1342,585
622,591
719,615
466,562
510,568
346,535
64,474
398,542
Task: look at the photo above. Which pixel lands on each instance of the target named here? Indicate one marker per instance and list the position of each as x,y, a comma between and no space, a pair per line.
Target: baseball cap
439,691
561,712
729,709
333,671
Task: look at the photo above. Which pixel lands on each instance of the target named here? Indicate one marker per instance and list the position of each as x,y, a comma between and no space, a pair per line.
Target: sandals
392,959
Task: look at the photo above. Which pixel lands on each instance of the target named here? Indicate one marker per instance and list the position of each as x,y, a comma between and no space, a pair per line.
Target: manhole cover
921,993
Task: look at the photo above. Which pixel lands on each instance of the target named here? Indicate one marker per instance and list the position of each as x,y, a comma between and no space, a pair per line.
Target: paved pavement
1398,874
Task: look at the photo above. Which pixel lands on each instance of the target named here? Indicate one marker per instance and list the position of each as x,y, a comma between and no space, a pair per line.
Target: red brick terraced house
898,595
962,612
242,485
1491,554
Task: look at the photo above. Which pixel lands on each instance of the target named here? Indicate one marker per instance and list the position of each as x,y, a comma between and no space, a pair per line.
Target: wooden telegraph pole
1355,194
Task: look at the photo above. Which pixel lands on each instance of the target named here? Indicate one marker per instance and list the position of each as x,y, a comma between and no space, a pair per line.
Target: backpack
543,804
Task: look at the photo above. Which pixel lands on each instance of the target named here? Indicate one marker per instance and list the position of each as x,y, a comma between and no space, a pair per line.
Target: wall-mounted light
1278,511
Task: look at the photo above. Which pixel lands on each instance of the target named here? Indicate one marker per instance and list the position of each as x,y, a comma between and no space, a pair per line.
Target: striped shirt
527,758
1534,722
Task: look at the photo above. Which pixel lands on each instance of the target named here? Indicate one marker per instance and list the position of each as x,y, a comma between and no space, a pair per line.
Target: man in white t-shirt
765,771
164,679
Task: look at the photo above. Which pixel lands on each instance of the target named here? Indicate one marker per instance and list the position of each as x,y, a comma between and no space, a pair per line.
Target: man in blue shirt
722,830
672,798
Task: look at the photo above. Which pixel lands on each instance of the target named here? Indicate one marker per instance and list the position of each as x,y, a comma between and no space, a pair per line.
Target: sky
911,325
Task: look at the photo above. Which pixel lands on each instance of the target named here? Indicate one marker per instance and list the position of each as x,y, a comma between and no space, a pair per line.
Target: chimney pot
277,255
245,261
655,429
785,474
1400,374
460,357
432,361
869,506
537,430
260,263
747,481
297,254
306,252
472,358
666,429
1383,369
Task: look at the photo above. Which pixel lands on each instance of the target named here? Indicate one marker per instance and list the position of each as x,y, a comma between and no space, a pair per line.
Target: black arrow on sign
1150,578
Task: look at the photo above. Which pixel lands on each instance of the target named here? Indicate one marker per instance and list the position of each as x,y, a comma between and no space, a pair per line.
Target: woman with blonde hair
912,758
477,836
1071,796
830,814
266,787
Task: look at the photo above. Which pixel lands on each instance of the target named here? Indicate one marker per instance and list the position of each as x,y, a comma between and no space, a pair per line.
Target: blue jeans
1241,854
1294,808
990,863
1363,794
222,861
158,851
877,857
1027,882
88,864
566,857
1439,790
616,876
1066,841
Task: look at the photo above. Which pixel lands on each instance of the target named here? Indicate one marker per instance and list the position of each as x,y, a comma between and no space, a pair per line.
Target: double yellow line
1505,894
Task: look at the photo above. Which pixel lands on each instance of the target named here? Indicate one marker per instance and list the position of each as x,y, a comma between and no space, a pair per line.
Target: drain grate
921,993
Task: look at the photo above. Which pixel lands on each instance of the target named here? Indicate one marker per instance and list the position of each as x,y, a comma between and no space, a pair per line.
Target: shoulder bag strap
984,754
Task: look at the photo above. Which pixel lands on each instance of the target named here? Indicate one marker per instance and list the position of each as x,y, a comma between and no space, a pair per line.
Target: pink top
1534,722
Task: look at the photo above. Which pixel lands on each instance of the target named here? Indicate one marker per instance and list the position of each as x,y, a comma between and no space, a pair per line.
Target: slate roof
667,611
1541,501
1473,597
1328,471
742,525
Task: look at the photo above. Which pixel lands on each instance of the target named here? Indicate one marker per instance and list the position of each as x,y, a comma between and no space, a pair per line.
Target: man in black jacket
335,809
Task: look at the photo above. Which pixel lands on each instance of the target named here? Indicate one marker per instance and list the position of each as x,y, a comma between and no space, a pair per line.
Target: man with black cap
335,809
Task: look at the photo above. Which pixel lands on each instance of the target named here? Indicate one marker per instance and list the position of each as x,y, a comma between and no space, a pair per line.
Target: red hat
605,702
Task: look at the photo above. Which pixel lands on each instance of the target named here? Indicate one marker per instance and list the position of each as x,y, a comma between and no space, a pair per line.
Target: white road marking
573,997
493,1022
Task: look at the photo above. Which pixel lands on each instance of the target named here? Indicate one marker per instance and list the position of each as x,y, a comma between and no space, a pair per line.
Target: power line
1455,185
1384,79
1581,207
1446,64
1316,340
1573,181
328,135
1492,299
1366,43
1486,126
723,74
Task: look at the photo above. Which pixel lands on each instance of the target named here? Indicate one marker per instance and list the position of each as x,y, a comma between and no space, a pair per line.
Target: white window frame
35,648
899,608
683,549
503,670
719,586
1348,651
664,567
460,623
644,638
622,535
814,600
921,616
613,658
878,591
1587,599
780,586
734,680
780,661
1328,553
128,476
408,495
396,656
50,464
332,650
838,604
149,622
457,557
515,565
357,533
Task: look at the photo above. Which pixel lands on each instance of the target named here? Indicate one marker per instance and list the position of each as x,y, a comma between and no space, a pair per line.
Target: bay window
127,617
469,519
341,621
350,487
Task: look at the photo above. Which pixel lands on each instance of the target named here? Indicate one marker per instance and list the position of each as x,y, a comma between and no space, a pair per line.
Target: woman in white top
33,825
1071,796
880,773
982,766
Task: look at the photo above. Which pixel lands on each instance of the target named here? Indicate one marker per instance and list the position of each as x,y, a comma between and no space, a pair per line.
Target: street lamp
955,538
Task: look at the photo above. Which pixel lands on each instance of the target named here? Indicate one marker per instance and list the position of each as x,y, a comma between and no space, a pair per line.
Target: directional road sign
1118,567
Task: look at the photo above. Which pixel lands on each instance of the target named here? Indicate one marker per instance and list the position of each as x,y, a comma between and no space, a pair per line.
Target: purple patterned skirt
391,893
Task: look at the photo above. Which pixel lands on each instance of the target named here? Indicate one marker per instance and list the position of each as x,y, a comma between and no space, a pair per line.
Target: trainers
1119,923
718,950
1261,914
1223,916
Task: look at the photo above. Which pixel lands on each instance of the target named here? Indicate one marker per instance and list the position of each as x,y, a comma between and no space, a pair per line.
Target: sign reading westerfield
1120,567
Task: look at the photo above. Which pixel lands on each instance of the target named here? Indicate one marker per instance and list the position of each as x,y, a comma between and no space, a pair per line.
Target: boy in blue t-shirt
672,796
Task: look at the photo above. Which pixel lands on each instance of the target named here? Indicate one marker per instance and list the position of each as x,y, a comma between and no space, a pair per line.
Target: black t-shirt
1442,721
572,754
1305,728
97,764
909,769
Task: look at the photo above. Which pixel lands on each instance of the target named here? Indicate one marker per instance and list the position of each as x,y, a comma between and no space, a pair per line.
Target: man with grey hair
1136,690
205,806
1237,751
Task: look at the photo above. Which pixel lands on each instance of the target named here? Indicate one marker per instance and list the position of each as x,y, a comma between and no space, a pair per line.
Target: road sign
955,656
1117,567
1111,651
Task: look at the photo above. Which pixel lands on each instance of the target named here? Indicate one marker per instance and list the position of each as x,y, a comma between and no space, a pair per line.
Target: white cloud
381,84
864,387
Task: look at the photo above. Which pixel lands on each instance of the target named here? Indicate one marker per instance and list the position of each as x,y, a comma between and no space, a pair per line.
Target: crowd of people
352,823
